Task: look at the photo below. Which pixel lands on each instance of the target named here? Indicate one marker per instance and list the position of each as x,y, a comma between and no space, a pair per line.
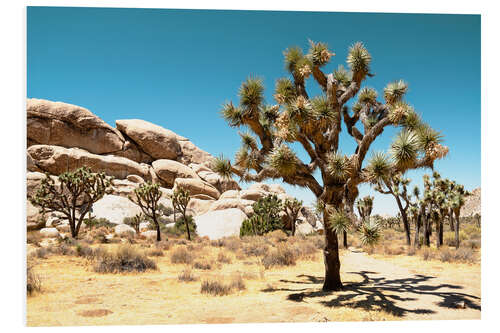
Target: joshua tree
134,221
265,218
396,185
417,211
292,208
365,207
315,123
340,223
74,196
147,196
457,201
180,200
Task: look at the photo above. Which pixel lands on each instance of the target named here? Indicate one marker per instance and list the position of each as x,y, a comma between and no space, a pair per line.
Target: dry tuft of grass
181,256
187,276
156,252
223,258
203,265
33,281
124,259
217,286
283,255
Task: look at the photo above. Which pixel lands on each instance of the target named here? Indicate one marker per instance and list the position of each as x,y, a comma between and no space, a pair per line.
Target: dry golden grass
73,294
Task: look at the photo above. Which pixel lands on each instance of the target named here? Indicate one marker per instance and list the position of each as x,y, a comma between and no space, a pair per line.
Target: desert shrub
472,243
427,254
180,226
411,251
88,252
266,217
217,287
223,258
187,276
461,255
33,281
393,249
283,255
277,236
449,237
318,241
204,265
163,245
304,250
471,231
231,243
446,255
181,256
99,234
155,252
94,223
124,259
34,237
41,253
255,246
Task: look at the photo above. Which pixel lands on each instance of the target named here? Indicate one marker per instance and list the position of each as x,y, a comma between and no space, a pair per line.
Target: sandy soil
398,288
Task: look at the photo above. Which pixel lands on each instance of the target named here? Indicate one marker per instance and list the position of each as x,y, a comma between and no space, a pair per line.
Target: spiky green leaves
248,141
342,75
398,112
359,60
251,93
232,114
338,221
370,232
338,166
221,166
395,91
284,91
297,64
300,110
319,53
367,96
283,161
405,149
378,167
322,111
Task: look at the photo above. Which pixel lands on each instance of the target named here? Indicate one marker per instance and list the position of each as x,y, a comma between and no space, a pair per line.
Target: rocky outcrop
114,208
191,153
168,171
49,232
199,206
67,125
56,160
220,183
253,194
123,230
472,203
220,223
241,204
156,141
196,186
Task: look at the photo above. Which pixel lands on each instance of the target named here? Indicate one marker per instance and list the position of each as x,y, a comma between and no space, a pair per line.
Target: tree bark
452,225
457,231
331,259
345,240
404,217
416,241
427,241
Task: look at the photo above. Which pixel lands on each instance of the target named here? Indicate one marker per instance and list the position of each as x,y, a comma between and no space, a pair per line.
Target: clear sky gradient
176,68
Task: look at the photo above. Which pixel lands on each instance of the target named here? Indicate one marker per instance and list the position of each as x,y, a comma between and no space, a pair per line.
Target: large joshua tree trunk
331,258
427,241
345,240
404,217
418,221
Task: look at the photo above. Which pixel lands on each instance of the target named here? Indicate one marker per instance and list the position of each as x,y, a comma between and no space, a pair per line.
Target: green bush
265,218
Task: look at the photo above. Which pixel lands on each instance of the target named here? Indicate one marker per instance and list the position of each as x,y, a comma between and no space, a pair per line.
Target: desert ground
413,285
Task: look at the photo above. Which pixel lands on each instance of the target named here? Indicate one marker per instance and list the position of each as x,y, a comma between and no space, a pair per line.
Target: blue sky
176,68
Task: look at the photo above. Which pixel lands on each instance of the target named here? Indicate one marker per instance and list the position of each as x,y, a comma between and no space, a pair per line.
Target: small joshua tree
74,196
365,207
315,123
340,223
134,221
265,217
397,186
147,196
292,208
180,200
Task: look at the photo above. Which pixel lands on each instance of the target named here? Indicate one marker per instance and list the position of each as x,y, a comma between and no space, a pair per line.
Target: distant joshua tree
74,196
180,201
292,208
365,207
315,124
147,197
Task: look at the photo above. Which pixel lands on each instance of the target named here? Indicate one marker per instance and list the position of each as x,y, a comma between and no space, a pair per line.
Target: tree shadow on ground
379,293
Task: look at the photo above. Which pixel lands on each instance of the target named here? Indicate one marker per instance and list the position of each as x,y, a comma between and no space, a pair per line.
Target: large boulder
199,206
154,140
114,208
168,171
196,186
34,219
56,160
220,223
220,183
49,232
67,125
253,194
231,194
191,153
308,215
133,152
33,180
304,228
241,204
124,230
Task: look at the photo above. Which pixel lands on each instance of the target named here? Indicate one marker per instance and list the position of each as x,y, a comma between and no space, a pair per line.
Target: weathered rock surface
114,208
191,153
472,203
49,232
196,186
231,194
199,206
253,194
124,229
154,140
220,223
168,171
304,228
67,125
34,218
149,234
56,160
241,204
220,183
